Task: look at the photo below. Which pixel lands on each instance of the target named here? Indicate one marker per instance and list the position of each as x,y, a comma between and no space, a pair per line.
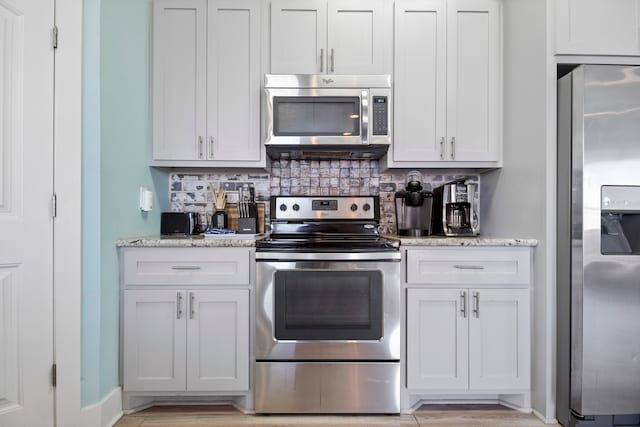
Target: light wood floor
426,416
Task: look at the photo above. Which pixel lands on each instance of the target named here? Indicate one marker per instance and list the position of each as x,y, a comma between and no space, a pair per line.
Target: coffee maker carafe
413,207
455,212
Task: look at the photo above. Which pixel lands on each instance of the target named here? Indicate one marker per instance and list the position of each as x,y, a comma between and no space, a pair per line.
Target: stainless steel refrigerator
598,282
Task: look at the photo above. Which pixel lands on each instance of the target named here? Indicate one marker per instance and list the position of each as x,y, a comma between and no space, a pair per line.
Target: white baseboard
545,419
105,413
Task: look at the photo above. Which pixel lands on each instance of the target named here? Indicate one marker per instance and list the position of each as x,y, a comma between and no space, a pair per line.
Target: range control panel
297,208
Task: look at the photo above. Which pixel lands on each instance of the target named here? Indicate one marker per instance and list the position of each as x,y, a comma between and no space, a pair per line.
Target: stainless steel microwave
332,114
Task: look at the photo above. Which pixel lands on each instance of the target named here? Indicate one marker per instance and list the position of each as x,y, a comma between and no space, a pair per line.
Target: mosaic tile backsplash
191,191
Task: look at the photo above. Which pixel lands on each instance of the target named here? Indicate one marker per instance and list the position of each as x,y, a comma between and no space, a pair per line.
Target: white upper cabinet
206,83
474,78
447,83
298,36
179,79
334,36
233,80
420,80
598,27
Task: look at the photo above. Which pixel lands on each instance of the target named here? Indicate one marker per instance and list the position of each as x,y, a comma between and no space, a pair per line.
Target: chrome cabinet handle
200,147
332,61
476,304
211,147
186,267
191,309
453,147
321,59
463,303
442,148
179,305
469,267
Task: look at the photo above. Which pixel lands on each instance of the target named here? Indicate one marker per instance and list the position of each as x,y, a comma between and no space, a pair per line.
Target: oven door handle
329,256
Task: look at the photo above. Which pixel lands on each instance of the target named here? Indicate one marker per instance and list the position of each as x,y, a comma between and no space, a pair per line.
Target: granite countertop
240,240
232,240
464,241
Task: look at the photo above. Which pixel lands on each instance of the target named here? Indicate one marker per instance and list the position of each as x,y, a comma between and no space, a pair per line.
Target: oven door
328,309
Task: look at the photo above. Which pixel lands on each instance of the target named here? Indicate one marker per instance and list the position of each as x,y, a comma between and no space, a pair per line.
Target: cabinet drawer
469,266
188,266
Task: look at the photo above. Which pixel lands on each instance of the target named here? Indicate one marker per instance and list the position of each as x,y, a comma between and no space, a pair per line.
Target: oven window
316,116
328,305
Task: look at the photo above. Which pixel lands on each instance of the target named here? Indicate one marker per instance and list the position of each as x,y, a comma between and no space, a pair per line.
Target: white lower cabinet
476,339
155,341
468,324
186,340
437,340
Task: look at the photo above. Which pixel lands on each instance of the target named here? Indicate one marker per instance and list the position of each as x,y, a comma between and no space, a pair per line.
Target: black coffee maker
413,207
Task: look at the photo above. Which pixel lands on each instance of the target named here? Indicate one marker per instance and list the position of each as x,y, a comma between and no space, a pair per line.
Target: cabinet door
437,339
598,27
357,38
218,336
499,339
474,78
298,36
420,80
179,79
154,340
233,80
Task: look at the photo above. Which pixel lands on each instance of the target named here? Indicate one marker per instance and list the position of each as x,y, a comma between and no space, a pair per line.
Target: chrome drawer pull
463,303
186,267
191,309
476,305
179,305
469,267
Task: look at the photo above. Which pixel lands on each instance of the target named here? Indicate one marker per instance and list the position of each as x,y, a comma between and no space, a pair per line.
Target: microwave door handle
364,123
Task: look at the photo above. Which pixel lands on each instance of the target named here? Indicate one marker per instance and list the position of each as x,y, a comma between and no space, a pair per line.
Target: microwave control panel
380,115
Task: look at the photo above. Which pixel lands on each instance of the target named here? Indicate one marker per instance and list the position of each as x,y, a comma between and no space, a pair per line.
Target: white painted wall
514,199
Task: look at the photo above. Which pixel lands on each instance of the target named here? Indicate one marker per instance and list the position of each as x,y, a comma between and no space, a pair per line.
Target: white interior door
26,224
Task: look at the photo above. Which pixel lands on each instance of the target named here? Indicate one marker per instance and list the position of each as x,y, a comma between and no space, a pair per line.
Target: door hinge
54,205
54,37
54,375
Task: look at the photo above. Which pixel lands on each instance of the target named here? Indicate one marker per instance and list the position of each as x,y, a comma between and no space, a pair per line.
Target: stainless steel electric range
327,309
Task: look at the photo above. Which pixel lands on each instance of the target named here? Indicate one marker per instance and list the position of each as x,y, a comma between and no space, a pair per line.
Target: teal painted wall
90,328
115,158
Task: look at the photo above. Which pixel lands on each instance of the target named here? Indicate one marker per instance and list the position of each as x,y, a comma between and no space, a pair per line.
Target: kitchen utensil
219,198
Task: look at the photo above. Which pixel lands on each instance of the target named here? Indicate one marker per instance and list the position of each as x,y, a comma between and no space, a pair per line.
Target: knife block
233,220
247,225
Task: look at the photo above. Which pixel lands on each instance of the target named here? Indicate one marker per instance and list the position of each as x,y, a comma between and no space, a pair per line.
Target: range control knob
296,207
283,207
366,207
354,207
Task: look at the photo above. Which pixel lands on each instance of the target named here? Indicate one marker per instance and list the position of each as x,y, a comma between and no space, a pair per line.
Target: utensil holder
219,220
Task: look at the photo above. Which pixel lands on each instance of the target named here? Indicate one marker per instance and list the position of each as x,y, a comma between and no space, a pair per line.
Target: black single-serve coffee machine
413,207
455,211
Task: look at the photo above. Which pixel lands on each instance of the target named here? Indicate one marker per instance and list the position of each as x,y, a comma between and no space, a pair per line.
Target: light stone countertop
464,241
228,241
239,241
